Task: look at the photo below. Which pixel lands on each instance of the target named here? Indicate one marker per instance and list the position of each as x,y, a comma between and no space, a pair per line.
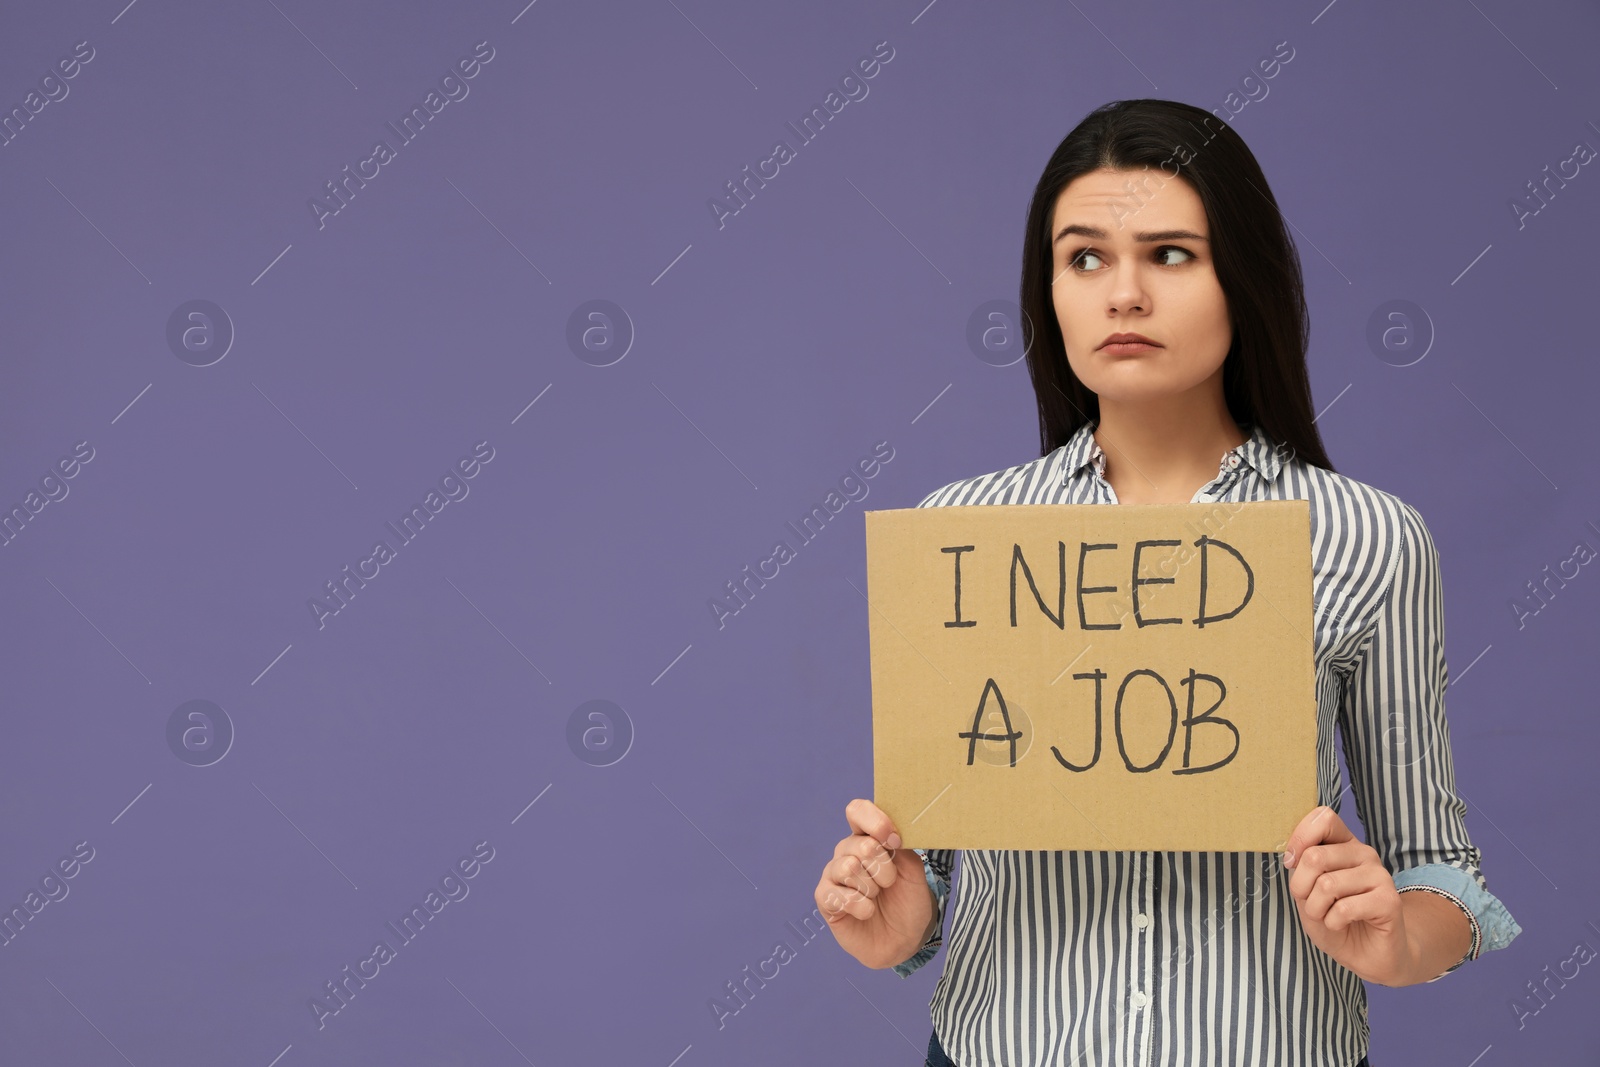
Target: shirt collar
1258,451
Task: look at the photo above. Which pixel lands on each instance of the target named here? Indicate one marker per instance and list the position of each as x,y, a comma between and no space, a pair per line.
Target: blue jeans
937,1057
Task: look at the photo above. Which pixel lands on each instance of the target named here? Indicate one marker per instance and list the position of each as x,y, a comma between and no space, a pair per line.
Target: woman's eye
1173,248
1081,261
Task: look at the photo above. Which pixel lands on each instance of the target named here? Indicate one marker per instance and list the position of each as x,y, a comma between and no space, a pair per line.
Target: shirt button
1233,459
1139,999
1141,920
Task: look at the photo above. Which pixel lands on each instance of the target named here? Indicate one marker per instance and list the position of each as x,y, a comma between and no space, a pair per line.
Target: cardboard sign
1085,676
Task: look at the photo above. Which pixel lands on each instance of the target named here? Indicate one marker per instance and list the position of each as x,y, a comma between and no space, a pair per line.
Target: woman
1172,331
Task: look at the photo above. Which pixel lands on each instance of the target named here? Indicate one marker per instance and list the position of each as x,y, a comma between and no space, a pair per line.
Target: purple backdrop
253,378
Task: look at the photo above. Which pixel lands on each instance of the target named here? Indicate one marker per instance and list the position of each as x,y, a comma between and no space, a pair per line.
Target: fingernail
1288,858
893,842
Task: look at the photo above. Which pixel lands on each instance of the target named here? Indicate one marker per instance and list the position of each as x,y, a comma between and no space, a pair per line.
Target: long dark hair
1264,375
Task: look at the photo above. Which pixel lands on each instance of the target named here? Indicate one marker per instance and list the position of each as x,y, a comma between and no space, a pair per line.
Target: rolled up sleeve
936,864
1397,747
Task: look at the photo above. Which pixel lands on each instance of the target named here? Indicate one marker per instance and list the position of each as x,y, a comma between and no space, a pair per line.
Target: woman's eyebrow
1149,235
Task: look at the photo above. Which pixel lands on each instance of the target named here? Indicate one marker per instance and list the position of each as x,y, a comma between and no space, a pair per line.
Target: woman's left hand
1348,903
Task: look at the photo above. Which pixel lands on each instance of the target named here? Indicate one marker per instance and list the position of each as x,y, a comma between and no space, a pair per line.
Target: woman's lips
1128,348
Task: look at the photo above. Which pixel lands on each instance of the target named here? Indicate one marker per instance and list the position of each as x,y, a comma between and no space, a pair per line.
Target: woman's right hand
873,893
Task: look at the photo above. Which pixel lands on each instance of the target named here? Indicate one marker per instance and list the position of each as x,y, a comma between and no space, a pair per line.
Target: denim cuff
935,939
1492,925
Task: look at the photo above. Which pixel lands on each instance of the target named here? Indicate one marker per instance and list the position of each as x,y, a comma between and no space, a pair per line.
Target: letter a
974,735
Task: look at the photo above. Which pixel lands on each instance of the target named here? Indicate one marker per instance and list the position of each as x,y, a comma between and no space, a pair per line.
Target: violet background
769,356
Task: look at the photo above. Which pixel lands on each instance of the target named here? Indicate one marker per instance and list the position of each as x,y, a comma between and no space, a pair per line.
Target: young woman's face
1137,262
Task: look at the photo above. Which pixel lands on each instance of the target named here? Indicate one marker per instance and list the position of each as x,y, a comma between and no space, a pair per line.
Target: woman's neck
1165,451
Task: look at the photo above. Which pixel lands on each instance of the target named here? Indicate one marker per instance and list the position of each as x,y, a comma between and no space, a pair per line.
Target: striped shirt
1198,958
